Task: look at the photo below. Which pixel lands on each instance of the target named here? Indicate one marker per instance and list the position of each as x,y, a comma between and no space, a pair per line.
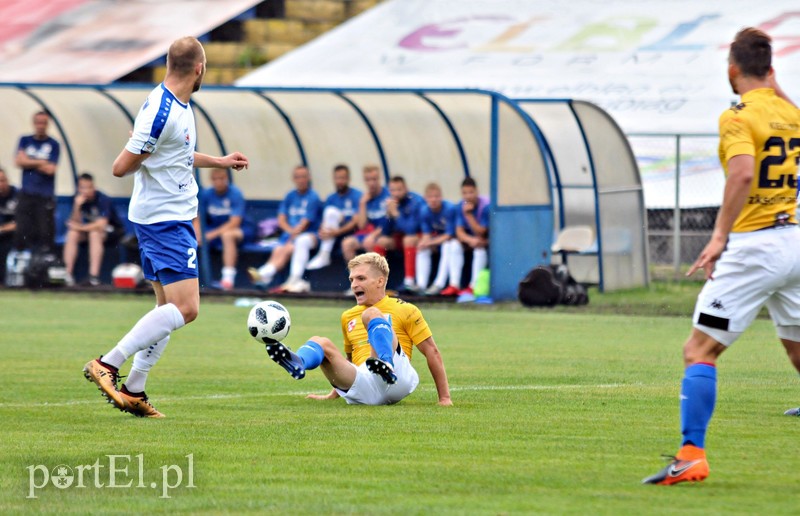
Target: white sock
456,263
479,260
143,361
302,250
423,266
444,259
326,247
156,324
229,274
331,219
267,272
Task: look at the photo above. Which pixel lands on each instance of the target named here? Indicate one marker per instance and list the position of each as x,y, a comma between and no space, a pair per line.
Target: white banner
98,41
655,66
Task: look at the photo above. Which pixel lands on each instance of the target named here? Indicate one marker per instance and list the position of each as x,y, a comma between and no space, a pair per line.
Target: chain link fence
683,181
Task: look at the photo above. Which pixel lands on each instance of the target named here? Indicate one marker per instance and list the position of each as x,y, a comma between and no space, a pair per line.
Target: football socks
379,333
312,354
143,361
301,254
423,266
698,395
152,327
410,263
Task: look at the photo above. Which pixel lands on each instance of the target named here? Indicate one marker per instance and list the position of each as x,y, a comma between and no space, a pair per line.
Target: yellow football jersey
407,323
766,127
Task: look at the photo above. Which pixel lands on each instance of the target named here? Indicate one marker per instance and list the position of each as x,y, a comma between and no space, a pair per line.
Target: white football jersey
164,186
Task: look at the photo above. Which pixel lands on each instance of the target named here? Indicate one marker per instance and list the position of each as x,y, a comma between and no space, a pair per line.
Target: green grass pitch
556,412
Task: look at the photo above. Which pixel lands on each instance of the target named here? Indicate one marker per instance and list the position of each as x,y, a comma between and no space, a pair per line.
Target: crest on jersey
350,325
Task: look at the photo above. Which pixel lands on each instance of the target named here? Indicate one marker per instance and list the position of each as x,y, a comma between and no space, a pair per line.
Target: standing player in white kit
164,201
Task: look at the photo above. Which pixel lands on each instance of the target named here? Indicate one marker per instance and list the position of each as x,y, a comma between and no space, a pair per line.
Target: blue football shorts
168,251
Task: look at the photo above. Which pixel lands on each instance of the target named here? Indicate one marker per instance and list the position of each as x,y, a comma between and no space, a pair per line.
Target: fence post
676,216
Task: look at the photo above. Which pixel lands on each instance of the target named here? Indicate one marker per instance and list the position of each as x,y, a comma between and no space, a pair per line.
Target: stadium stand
262,34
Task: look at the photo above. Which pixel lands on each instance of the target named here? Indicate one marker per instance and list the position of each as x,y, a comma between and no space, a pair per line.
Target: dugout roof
545,163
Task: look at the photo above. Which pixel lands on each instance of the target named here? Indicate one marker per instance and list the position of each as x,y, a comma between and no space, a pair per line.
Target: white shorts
756,268
370,389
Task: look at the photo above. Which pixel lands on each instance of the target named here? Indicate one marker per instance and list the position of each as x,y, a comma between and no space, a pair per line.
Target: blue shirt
442,222
218,209
347,203
296,207
33,181
408,216
481,213
376,209
100,207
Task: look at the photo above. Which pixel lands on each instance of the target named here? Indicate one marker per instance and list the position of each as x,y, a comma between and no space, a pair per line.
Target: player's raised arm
435,365
234,160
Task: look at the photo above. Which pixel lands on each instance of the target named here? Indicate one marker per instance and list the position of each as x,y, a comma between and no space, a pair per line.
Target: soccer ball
269,322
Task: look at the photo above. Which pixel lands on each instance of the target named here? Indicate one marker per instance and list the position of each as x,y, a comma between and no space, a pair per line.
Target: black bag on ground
44,270
549,285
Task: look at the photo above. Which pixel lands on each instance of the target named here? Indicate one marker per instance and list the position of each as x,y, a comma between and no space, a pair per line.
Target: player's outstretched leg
105,377
309,356
383,369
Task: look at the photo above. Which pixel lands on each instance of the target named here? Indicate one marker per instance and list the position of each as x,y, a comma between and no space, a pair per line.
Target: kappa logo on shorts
350,325
716,304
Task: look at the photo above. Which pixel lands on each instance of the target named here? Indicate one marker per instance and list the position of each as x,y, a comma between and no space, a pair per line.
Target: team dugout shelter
546,165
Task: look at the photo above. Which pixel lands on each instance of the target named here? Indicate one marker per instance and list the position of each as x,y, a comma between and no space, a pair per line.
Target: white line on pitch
303,393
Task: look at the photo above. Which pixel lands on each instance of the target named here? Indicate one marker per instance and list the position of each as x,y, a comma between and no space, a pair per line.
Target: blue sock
379,333
698,395
312,354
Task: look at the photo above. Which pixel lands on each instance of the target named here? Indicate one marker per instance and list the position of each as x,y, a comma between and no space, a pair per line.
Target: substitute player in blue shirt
438,225
403,228
298,217
161,153
93,220
472,230
338,216
222,209
371,216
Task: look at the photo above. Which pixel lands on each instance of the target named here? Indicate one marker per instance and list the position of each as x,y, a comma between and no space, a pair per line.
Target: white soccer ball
269,322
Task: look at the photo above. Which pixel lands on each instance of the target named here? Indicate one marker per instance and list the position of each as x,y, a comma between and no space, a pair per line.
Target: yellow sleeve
735,136
348,346
415,325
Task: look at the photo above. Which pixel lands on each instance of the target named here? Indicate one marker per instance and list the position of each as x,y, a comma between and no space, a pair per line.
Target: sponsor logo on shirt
184,187
42,152
351,324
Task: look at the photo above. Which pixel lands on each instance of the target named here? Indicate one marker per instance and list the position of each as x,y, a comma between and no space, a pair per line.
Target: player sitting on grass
379,335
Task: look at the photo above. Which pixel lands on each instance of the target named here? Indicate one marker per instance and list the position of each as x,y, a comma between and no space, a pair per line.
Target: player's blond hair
371,168
374,260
